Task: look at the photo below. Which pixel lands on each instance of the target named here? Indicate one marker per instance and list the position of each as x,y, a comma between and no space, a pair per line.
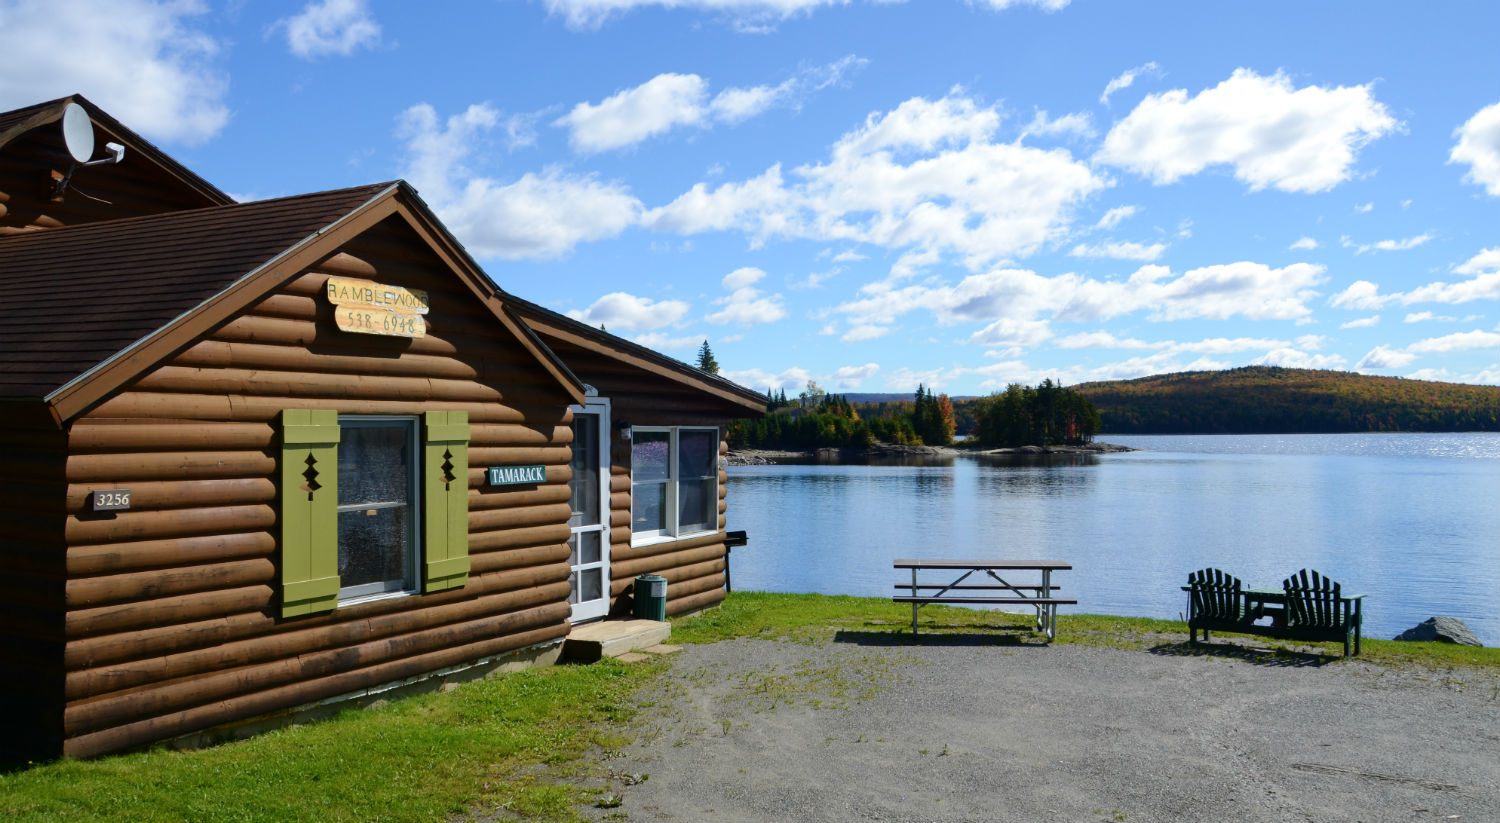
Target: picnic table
1021,592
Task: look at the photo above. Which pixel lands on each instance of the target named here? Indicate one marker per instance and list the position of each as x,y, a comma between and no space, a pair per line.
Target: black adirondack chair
1215,601
1316,609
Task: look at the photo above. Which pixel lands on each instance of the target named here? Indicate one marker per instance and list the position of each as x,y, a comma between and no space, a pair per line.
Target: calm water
1411,520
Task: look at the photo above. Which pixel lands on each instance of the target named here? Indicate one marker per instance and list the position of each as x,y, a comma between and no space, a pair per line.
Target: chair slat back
1215,594
1313,600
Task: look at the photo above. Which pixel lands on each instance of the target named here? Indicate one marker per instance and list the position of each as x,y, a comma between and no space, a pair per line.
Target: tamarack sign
367,307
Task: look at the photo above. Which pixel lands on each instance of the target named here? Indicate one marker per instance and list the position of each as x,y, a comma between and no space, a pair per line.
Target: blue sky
872,195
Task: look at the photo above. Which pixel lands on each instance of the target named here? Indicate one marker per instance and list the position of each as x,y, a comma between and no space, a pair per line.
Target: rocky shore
760,457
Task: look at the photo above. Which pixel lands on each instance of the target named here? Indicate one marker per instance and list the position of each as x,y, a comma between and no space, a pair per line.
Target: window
371,506
377,511
674,482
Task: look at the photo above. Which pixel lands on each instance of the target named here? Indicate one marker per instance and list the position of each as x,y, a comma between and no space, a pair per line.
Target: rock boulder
1446,629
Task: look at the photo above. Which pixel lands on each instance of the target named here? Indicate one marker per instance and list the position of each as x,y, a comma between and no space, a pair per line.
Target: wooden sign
367,307
517,475
110,500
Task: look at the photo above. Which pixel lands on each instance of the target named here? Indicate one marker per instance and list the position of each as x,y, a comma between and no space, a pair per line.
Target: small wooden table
1040,596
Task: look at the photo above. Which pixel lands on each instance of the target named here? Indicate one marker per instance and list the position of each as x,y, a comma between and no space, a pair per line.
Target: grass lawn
495,745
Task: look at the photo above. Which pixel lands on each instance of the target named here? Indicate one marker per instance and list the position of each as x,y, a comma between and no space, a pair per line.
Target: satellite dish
78,132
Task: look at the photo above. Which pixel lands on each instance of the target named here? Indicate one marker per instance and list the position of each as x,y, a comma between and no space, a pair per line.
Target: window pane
697,454
698,506
374,545
649,457
590,584
374,463
648,508
587,550
585,465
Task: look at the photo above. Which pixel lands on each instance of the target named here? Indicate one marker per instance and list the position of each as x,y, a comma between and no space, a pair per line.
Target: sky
873,195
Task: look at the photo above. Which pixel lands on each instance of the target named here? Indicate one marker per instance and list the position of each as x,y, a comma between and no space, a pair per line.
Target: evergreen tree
706,360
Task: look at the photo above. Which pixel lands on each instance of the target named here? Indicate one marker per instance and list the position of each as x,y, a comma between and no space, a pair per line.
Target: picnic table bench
1037,595
1308,606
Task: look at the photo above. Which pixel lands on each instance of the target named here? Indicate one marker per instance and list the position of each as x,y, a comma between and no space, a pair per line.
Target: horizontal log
168,523
667,546
89,435
256,356
308,691
518,538
505,497
188,635
118,557
676,576
630,568
489,434
168,466
550,456
521,517
166,611
245,408
120,588
692,603
194,667
343,263
494,561
266,382
181,493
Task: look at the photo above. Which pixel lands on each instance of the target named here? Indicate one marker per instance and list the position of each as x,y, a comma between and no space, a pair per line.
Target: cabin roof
17,122
85,308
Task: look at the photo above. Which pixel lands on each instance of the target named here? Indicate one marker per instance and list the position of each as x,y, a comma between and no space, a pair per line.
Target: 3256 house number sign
367,307
110,500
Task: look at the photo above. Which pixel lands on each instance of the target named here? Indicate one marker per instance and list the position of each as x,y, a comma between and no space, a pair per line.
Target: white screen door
590,519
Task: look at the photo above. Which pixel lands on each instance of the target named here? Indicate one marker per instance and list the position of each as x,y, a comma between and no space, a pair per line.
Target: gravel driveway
878,727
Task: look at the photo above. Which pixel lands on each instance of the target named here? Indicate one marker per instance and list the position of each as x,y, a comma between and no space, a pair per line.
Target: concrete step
612,638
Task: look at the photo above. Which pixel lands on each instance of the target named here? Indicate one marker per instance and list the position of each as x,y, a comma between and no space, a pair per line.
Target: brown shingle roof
72,298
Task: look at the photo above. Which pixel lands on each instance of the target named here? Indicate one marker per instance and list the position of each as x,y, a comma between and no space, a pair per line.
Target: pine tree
706,360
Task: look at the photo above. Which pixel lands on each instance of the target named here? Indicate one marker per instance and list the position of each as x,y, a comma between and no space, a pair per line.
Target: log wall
169,621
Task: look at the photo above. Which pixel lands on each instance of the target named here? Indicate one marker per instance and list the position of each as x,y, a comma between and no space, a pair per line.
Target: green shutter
309,511
445,498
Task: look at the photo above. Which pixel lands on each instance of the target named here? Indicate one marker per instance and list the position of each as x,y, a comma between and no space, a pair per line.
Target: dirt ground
880,727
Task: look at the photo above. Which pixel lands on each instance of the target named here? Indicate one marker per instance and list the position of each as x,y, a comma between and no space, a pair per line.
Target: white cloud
1393,245
1479,146
926,176
1424,316
1253,290
1078,124
792,379
742,277
143,62
756,16
848,257
745,305
850,377
1361,295
1127,78
1364,208
620,312
865,332
1485,262
538,216
1009,331
1304,244
1113,217
1120,251
1489,376
1101,340
661,341
1311,342
1297,140
1295,359
1384,357
669,100
1362,323
632,115
330,27
906,379
1462,341
1484,284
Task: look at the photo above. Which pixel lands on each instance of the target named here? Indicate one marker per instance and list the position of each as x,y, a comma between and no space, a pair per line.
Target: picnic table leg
1051,608
914,604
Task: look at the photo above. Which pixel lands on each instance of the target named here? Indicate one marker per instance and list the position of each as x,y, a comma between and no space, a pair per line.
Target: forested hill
1272,400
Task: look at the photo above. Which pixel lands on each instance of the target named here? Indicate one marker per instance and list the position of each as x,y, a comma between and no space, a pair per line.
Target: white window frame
670,504
412,583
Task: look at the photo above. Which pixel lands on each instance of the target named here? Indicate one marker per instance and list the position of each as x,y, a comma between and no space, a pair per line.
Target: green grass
507,747
428,757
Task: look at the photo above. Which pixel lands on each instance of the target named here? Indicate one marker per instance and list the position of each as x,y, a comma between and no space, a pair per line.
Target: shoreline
761,457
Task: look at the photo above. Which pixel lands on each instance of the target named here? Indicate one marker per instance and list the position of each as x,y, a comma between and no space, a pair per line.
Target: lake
1411,520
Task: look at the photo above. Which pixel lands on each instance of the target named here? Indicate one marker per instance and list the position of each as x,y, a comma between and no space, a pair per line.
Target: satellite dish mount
78,136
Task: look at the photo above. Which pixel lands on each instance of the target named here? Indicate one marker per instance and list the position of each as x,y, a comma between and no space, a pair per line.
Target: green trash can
651,597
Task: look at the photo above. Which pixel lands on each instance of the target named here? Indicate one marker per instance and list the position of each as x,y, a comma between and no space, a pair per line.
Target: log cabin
263,459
